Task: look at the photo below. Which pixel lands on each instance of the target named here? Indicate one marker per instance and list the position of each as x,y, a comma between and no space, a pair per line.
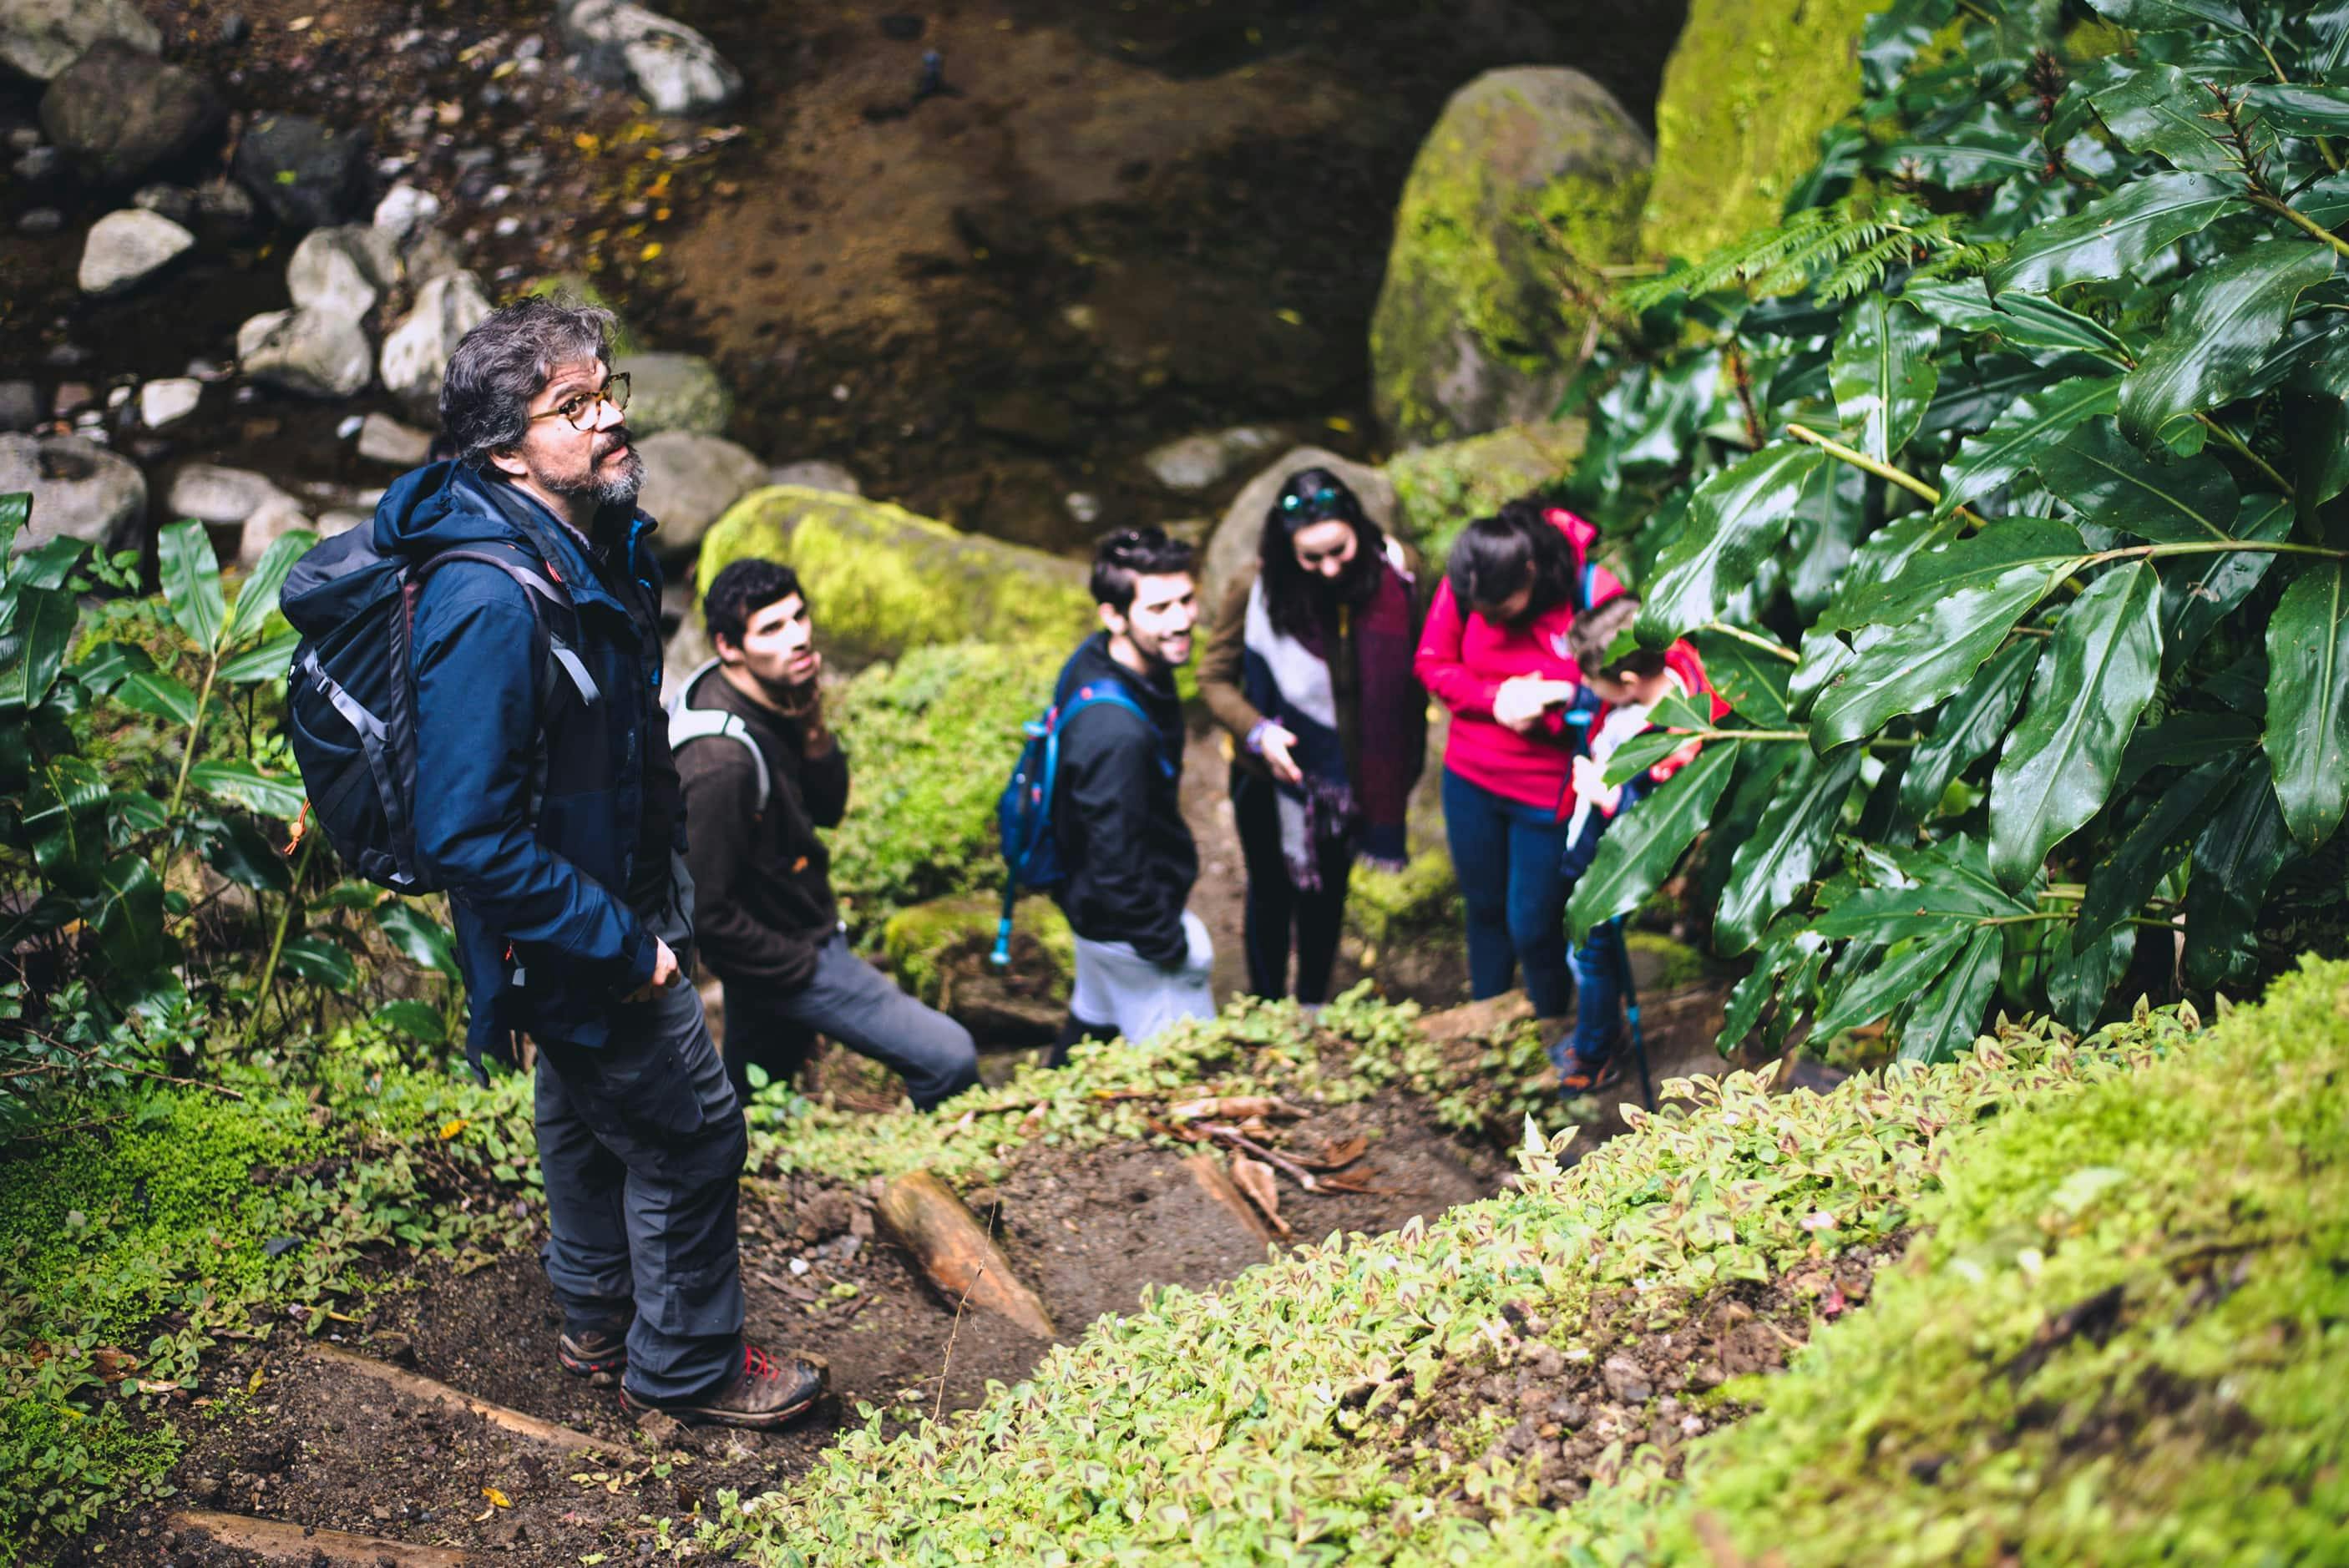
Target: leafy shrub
2001,487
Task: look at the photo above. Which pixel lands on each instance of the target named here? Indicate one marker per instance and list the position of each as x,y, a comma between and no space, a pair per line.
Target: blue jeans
1507,856
1599,993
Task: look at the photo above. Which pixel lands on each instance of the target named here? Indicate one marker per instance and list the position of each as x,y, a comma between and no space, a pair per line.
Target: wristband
1255,741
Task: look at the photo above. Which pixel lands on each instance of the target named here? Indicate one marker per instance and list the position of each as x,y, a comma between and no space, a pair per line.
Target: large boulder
676,69
416,354
80,490
1237,538
118,111
311,351
235,500
690,481
42,37
306,172
342,270
126,248
939,952
674,392
1189,465
1439,490
884,579
1473,329
1749,88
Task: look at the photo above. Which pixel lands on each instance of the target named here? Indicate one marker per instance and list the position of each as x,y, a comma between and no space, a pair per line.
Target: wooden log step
419,1387
282,1542
957,1254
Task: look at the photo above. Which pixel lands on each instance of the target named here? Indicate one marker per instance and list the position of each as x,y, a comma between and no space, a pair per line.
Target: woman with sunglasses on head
1309,666
1496,653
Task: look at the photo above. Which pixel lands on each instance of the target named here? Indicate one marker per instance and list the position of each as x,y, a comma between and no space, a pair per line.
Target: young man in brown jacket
761,773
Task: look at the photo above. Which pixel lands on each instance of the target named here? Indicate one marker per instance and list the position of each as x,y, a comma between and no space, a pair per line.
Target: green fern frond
1840,249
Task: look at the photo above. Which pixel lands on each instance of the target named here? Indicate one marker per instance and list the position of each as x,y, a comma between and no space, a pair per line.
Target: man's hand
1521,700
666,972
1274,742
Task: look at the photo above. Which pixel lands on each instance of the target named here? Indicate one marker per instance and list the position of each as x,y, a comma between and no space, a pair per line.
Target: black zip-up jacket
763,906
1118,811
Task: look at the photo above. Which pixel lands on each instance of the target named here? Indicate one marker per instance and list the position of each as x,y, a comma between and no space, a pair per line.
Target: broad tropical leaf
1735,520
1949,1015
1928,577
2016,438
32,649
1774,865
320,962
1872,993
2113,484
1751,680
2307,739
1971,723
2242,846
62,821
2298,109
2198,591
2127,873
192,581
243,854
258,595
420,1021
2172,16
243,784
1639,851
16,511
2024,321
2057,768
2160,109
2079,979
421,940
2108,238
1884,373
128,919
2220,326
266,661
158,695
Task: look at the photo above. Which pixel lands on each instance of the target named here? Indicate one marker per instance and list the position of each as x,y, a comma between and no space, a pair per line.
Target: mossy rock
579,286
1473,330
1386,906
1440,489
1661,964
883,580
1749,88
916,940
675,392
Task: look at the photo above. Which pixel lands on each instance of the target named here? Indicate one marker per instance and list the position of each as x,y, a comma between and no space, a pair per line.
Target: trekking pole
1631,1007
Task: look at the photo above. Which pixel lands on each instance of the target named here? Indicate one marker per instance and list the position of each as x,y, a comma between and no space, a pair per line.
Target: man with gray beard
547,803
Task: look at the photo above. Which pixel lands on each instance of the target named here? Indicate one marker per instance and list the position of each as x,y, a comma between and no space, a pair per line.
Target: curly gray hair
500,365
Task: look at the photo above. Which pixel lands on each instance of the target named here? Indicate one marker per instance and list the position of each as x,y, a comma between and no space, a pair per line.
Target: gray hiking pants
642,1145
855,1004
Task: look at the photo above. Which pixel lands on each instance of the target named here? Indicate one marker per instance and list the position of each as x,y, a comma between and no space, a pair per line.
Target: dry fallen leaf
496,1497
1254,1177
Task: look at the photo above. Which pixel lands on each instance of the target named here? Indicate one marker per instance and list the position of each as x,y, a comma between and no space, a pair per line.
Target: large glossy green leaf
2316,434
421,940
2198,591
62,821
2161,109
320,962
2078,980
2172,16
2186,739
243,784
419,1021
258,595
2057,767
1735,520
1790,945
1929,577
1752,680
2109,237
128,919
158,695
192,581
2113,484
243,854
1884,373
48,563
2016,438
2299,109
2125,875
1881,559
2219,328
1971,723
2326,201
33,650
1642,848
109,663
266,661
1904,971
16,511
1949,1015
1908,668
2307,739
2024,321
2242,846
1775,862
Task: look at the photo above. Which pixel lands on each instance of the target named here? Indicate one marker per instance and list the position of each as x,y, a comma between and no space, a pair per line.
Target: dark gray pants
861,1007
642,1145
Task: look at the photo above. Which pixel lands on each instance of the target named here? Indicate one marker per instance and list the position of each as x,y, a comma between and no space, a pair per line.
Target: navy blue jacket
545,934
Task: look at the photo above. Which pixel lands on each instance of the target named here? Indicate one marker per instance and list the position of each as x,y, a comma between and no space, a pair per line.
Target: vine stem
277,940
2214,547
1882,471
2292,215
1753,640
2242,448
187,761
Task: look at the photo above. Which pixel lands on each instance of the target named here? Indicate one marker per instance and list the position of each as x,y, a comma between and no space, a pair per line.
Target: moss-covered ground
2115,1341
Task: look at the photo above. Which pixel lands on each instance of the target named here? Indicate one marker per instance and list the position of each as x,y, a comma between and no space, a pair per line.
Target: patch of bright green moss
1676,963
1440,489
915,940
1749,88
1384,907
883,580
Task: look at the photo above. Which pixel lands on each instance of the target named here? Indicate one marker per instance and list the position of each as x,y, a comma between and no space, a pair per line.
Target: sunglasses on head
1327,495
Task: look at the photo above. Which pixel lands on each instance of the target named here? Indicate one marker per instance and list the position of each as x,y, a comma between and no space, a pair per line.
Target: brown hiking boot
599,1351
772,1392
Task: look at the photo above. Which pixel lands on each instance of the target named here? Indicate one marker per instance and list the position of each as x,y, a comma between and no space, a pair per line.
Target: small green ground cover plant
182,1214
1267,1419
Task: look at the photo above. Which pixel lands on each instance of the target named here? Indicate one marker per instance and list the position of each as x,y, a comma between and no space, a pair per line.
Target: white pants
1115,984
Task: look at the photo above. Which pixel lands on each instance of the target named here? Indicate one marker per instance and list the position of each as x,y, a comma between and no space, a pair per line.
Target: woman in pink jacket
1494,652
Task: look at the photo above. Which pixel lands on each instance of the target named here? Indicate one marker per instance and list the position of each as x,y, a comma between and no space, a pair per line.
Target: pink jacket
1462,660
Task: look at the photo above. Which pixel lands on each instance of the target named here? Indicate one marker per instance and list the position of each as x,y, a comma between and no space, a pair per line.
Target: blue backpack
1023,812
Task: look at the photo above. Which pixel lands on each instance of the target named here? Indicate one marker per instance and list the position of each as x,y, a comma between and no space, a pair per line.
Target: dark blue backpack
350,698
1023,813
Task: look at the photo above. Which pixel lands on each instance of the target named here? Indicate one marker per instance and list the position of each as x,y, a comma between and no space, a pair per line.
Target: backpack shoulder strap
1112,695
538,588
687,725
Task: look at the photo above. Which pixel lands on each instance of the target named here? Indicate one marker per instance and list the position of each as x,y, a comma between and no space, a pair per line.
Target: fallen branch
1281,1162
1234,1108
959,1257
282,1542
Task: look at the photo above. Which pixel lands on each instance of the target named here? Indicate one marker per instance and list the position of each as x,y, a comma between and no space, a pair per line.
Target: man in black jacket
1142,958
762,772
